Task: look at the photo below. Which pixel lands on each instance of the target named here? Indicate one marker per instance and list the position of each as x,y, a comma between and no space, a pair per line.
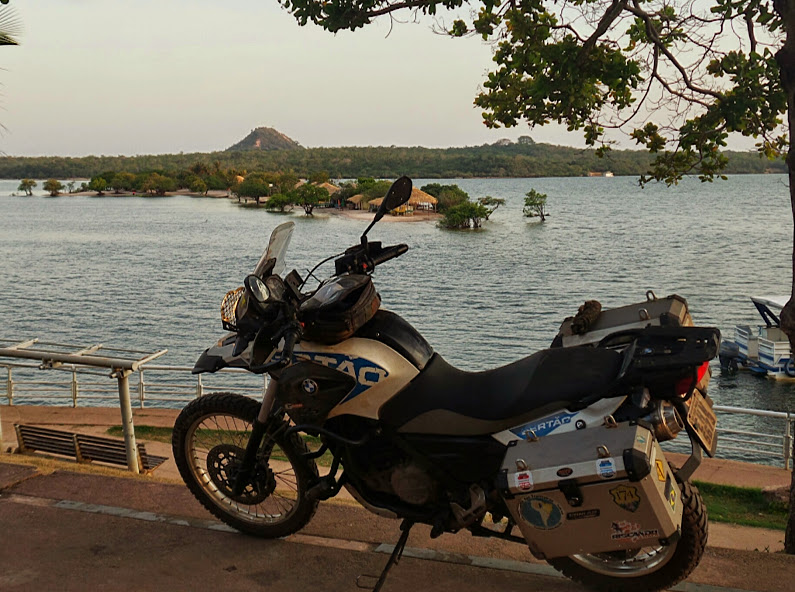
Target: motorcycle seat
447,401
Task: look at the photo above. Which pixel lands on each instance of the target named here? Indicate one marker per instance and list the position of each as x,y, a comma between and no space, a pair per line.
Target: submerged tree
26,186
464,215
491,203
280,202
678,76
534,204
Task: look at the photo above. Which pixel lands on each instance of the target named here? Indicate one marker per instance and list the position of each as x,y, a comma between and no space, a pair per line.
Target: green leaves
534,204
465,215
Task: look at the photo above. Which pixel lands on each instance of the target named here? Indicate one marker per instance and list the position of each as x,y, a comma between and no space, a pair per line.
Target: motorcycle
563,445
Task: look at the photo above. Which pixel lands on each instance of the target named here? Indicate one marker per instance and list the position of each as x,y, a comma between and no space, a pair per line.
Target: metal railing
758,443
167,386
86,385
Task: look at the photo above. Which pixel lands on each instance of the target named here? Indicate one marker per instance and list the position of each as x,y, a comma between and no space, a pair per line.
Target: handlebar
291,337
365,257
292,334
389,253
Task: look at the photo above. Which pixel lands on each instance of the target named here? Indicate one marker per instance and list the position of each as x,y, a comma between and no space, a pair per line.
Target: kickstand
394,558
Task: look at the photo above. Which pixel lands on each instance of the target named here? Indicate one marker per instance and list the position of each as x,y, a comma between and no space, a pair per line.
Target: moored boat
763,349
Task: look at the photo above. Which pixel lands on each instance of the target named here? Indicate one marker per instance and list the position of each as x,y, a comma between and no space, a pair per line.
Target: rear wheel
209,439
647,568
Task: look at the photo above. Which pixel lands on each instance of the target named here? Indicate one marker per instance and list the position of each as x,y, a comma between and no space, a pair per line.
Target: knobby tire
687,555
230,405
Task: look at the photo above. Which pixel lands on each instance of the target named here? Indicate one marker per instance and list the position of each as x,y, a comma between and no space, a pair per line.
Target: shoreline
361,215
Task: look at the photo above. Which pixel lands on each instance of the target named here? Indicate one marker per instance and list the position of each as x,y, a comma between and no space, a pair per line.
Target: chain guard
223,462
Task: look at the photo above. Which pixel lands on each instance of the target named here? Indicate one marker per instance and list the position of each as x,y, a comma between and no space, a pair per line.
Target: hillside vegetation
265,138
503,159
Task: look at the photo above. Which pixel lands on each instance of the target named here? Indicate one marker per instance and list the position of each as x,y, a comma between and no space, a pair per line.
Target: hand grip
389,253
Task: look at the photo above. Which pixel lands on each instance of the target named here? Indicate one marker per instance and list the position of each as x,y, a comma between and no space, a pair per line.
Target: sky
167,76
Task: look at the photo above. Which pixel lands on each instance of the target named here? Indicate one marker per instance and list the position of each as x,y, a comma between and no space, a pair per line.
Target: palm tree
10,26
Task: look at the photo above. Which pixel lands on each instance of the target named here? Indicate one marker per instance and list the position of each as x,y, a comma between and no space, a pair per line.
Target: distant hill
265,138
504,158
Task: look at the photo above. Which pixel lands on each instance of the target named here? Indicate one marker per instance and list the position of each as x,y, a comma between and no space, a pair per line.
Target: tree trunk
786,63
789,536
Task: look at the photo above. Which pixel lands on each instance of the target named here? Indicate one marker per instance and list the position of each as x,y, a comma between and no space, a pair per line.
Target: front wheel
209,439
648,568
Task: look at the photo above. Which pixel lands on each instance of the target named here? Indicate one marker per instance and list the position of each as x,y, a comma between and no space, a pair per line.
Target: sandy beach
361,215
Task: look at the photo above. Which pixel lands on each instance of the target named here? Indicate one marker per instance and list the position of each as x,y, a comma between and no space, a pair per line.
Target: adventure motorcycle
563,444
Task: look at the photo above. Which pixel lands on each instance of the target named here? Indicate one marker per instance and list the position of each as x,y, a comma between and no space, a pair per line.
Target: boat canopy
775,302
770,307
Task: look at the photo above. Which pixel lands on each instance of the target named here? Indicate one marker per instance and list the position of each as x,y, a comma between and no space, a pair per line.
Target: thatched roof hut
422,201
419,200
330,187
355,201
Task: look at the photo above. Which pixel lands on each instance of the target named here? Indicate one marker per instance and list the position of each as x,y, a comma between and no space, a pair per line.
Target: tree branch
610,15
654,36
398,6
749,22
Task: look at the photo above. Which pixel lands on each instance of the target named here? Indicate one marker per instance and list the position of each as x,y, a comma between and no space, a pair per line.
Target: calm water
150,273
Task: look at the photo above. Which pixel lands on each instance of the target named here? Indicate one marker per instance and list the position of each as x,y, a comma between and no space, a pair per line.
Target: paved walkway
109,529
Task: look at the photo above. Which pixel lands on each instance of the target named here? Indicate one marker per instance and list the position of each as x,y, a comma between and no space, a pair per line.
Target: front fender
221,355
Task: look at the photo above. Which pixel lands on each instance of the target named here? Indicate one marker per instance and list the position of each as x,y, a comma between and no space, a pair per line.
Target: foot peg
327,487
476,510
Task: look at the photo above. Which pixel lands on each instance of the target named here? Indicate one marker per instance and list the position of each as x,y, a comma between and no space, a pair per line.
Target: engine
387,469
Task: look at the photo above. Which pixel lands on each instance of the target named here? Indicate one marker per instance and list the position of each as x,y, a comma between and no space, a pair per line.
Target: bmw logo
309,386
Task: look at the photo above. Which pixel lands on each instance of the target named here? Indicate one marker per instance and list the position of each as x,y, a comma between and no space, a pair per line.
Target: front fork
258,430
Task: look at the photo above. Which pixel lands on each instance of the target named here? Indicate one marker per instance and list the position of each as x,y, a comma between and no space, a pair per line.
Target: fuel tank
378,370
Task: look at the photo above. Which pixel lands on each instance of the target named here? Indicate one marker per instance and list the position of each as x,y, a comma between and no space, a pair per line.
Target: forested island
524,158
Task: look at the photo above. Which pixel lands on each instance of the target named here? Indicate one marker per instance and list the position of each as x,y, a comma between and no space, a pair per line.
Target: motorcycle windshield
277,249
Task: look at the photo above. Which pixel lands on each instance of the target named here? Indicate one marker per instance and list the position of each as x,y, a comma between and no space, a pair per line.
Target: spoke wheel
209,440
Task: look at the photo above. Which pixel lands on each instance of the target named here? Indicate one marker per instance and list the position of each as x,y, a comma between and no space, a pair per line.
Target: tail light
684,385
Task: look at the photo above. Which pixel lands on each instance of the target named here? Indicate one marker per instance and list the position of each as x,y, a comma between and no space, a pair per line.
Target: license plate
704,422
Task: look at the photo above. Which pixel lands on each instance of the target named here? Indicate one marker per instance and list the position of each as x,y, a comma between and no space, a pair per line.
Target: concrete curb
329,542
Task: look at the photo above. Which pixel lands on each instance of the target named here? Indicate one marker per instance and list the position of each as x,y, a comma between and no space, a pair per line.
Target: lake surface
150,273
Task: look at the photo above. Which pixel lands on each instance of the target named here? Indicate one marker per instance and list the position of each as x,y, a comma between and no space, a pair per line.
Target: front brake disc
223,464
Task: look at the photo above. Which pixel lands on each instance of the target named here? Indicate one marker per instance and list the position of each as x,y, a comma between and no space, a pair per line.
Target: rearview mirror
398,194
257,288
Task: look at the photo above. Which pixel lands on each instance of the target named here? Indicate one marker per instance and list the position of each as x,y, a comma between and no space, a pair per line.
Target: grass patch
145,432
158,434
742,505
